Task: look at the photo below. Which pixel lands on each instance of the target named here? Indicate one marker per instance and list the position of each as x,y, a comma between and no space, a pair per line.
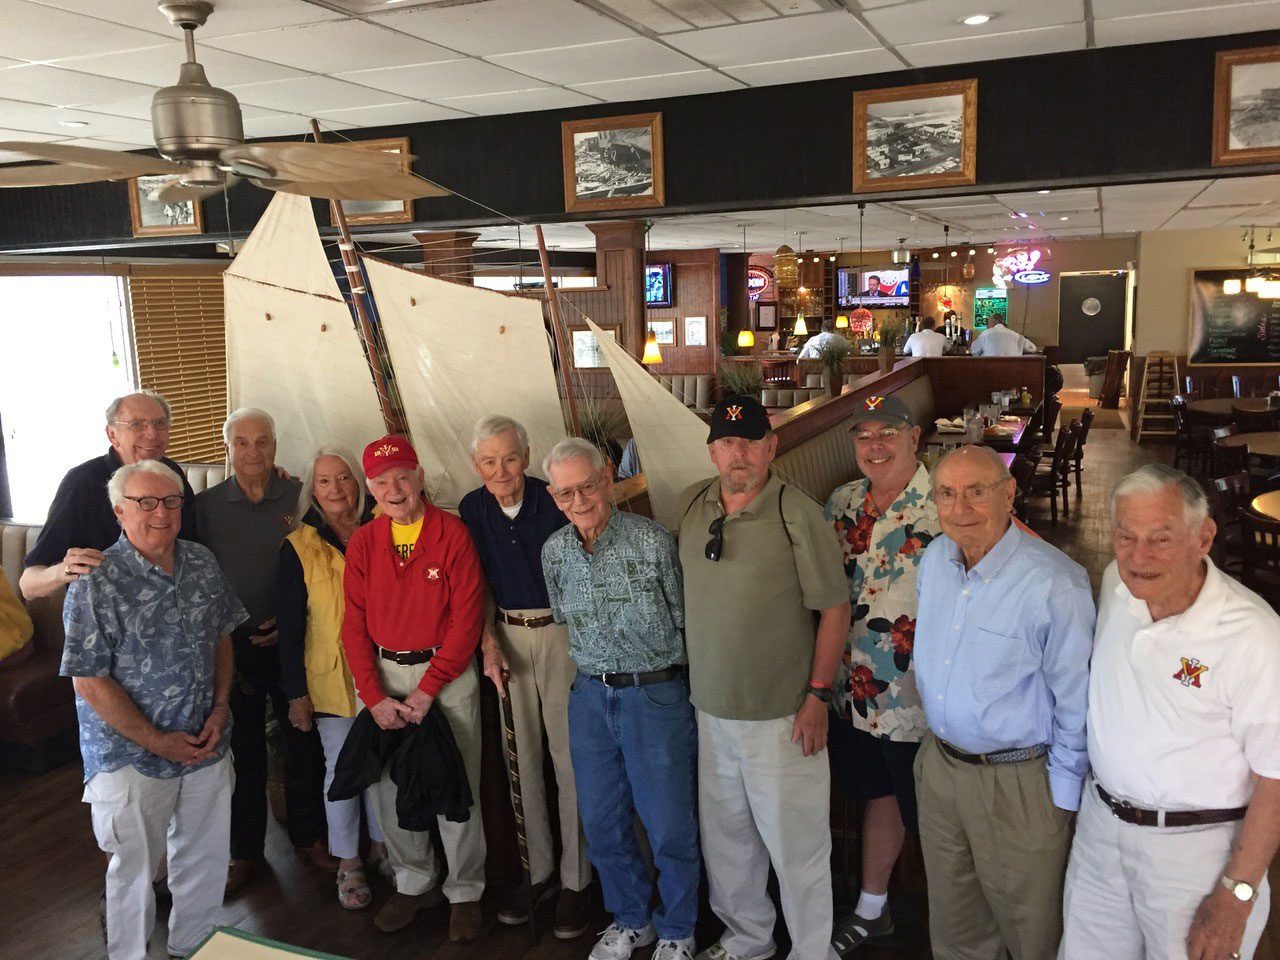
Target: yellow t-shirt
15,625
404,536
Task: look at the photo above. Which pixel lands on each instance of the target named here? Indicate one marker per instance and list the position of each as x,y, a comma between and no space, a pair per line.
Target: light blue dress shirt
1002,652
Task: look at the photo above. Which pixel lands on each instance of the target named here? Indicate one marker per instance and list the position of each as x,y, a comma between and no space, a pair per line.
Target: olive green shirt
749,628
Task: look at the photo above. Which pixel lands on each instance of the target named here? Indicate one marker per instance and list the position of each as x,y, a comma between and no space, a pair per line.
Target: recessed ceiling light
1064,218
976,20
935,254
1042,191
73,123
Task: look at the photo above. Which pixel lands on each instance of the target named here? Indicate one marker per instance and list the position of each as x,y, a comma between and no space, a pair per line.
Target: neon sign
1018,267
758,278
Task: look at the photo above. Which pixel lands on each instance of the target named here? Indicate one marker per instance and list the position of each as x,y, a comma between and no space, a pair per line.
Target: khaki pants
541,674
412,855
995,853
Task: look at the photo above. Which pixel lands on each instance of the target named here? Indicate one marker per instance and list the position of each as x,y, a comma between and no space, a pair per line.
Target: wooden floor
52,869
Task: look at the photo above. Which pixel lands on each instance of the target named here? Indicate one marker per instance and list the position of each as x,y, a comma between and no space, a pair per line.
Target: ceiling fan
200,136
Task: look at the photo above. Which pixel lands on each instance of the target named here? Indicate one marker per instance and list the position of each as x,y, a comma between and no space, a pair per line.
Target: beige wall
1165,261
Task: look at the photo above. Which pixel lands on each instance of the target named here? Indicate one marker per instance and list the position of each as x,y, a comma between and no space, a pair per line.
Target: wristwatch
822,693
1244,892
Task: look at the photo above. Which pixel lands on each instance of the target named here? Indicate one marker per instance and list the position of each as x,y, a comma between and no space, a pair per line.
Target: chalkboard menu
1231,328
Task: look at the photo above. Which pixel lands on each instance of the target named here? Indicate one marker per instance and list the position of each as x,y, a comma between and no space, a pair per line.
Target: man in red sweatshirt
414,606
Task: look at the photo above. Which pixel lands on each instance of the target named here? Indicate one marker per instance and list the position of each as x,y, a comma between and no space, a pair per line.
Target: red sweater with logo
433,599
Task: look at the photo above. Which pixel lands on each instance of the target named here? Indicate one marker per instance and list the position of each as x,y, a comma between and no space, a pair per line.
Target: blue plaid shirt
1002,652
156,635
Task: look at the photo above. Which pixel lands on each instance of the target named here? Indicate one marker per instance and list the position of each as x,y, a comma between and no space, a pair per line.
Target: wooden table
1259,444
1007,443
1223,406
1267,504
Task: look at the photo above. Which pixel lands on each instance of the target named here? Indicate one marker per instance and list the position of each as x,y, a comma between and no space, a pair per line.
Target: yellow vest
329,681
15,624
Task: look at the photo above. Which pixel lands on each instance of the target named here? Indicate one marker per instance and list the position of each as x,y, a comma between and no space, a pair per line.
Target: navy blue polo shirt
511,549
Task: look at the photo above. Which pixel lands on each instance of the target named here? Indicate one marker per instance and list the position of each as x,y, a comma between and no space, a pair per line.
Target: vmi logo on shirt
1191,672
433,573
733,413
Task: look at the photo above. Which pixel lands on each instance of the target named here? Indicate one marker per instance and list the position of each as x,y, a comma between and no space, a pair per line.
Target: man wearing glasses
1002,647
614,578
759,560
81,523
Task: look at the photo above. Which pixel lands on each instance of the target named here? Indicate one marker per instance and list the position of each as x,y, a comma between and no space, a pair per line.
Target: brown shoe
398,912
515,910
239,873
464,921
571,915
317,854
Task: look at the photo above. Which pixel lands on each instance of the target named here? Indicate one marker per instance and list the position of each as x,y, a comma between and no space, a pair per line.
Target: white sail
671,439
292,346
460,354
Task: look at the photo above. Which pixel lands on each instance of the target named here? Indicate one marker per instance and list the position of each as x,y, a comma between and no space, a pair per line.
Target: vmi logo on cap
873,402
733,413
386,450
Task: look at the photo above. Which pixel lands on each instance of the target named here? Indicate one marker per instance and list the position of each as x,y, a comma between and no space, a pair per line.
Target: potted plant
600,422
890,331
832,357
744,379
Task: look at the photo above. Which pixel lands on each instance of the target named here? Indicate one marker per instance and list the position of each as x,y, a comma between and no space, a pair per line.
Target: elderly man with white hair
1181,818
243,520
510,518
149,650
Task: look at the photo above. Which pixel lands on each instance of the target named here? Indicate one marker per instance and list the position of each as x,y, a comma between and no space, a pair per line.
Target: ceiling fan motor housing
194,120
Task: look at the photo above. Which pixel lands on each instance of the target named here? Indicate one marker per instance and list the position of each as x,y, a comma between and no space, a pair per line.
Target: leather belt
1142,817
406,658
636,679
1014,755
531,622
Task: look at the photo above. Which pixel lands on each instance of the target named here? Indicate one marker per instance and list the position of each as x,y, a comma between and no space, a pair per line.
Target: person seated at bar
81,523
925,342
16,628
813,348
148,648
1003,632
614,579
313,669
1182,818
883,523
999,341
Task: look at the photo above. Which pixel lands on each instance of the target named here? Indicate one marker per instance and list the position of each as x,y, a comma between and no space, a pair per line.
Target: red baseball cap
390,451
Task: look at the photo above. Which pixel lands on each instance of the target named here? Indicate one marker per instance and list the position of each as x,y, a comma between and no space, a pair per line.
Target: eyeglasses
588,489
976,494
171,502
866,436
715,546
137,426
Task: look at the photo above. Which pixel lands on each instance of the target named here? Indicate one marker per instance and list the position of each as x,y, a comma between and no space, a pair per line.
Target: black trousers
257,682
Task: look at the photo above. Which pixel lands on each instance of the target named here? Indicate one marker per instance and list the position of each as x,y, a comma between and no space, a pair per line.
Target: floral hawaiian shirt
876,688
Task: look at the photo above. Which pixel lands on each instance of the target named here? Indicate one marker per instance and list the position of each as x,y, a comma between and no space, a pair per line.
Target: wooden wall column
449,254
620,267
738,302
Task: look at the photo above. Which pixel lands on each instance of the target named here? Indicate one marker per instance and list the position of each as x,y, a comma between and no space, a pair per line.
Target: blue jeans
634,752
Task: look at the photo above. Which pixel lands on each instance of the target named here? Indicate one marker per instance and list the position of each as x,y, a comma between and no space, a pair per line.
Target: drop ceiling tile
996,46
1104,9
1240,190
507,26
335,46
287,125
29,31
310,95
159,66
1198,219
928,20
437,81
40,117
520,101
1057,200
105,144
809,36
610,60
31,136
410,111
649,15
1189,24
664,85
1178,193
39,83
229,16
103,127
814,68
6,62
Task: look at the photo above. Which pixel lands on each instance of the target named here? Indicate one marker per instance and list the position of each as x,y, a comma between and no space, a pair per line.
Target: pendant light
802,328
900,253
652,354
746,339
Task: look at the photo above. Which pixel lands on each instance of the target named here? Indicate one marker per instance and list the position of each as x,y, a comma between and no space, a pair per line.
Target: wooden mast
355,280
557,331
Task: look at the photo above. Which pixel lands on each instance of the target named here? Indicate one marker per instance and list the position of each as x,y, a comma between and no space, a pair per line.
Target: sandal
353,889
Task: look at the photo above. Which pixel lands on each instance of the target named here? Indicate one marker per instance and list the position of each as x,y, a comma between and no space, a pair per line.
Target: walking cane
517,805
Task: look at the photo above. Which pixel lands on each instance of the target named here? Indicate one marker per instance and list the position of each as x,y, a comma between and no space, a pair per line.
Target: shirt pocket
1000,665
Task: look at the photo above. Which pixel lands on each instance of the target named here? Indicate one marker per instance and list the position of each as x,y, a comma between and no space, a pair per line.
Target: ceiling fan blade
175,191
117,162
399,186
53,175
312,161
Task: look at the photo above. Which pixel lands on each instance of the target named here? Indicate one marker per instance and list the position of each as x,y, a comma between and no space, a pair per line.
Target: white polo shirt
1183,710
925,343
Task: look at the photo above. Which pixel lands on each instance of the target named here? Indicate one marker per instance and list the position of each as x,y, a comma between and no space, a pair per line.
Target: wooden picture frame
766,315
695,331
606,166
150,217
360,212
889,157
1240,78
585,351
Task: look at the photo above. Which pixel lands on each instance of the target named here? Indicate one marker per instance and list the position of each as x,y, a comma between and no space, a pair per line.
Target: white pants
412,856
1132,891
133,816
343,816
761,801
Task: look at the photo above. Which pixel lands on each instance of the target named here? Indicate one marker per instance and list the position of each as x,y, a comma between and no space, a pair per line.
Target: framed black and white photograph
613,163
152,216
1246,106
695,331
664,331
378,211
587,354
921,136
766,315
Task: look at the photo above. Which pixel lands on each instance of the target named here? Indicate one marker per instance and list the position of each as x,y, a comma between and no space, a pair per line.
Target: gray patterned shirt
623,602
156,635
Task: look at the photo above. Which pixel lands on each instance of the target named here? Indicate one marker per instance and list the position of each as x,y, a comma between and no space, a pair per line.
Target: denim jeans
633,751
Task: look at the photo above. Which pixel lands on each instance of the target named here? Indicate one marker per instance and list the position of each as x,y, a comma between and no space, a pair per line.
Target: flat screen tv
872,288
657,285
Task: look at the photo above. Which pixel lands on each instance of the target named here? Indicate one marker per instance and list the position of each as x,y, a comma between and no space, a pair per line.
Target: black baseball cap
738,416
883,409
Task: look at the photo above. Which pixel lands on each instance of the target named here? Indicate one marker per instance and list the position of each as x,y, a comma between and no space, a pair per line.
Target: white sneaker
674,949
617,943
717,952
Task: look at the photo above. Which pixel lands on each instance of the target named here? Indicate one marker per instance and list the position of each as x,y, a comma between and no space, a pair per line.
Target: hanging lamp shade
786,268
651,352
1254,284
801,328
842,322
746,338
1232,286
